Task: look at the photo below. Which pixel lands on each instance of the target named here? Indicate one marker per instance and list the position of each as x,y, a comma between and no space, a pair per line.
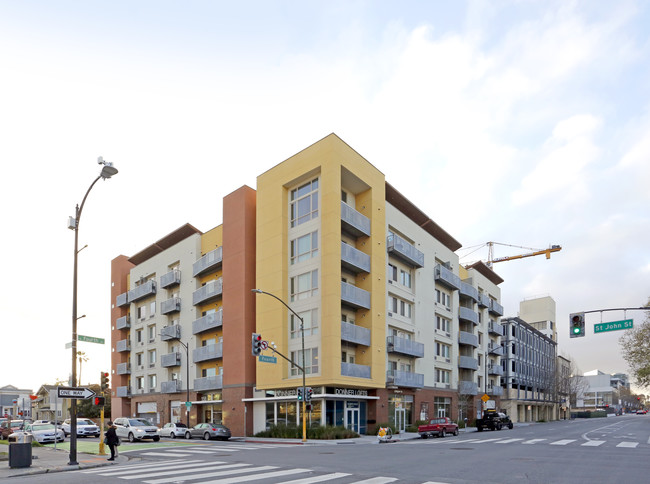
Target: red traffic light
98,401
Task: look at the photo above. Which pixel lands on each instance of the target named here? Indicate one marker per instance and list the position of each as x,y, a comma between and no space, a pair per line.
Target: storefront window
442,407
314,417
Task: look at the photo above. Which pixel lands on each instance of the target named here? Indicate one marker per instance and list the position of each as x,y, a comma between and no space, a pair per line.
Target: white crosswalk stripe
311,480
562,442
593,443
533,441
508,441
628,444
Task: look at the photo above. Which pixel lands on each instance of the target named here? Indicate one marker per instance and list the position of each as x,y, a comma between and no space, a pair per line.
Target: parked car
207,431
136,429
493,420
8,427
173,430
438,427
641,412
85,427
45,432
43,422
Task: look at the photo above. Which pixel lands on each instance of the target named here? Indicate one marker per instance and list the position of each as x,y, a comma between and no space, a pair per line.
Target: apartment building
529,364
539,312
394,329
181,317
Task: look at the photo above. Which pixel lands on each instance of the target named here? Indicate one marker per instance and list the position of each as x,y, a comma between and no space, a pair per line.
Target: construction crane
492,260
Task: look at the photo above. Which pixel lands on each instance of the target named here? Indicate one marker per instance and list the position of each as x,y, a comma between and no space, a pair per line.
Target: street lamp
187,383
108,170
302,334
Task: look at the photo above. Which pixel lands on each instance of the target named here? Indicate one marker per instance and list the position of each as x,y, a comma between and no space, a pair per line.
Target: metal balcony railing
467,388
353,259
123,323
468,362
495,308
170,359
123,392
172,278
123,345
208,383
122,299
468,290
211,291
208,352
403,346
404,379
446,277
352,333
404,251
354,222
209,262
465,338
172,386
496,328
171,305
170,332
467,314
123,369
483,300
354,370
146,289
207,322
354,296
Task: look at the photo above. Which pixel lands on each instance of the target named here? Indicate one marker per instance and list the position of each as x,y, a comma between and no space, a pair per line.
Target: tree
635,349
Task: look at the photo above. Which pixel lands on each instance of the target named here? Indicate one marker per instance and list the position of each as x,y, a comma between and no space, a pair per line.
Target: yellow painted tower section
335,164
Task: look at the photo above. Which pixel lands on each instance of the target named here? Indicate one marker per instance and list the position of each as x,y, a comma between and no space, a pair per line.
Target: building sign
351,392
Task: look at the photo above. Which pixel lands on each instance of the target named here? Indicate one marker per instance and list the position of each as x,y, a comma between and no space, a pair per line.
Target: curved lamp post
108,170
302,333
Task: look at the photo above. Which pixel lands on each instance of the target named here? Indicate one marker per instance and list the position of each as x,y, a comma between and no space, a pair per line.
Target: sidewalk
46,459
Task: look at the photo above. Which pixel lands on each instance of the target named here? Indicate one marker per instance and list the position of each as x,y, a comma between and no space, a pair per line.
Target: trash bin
20,449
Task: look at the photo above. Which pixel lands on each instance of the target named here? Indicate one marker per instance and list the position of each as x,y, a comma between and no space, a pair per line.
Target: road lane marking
254,477
533,441
562,442
310,480
508,441
593,443
630,445
376,480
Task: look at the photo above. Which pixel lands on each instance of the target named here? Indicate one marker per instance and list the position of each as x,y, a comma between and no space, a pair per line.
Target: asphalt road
594,451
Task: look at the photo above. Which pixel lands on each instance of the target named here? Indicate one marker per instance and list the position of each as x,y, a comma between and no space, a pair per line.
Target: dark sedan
207,431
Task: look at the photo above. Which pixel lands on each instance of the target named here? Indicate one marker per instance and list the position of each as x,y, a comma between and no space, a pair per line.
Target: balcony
351,333
123,392
145,289
211,291
467,314
170,332
173,386
468,362
484,300
446,277
465,338
404,379
495,391
467,388
495,370
404,251
172,278
208,383
353,222
209,321
170,360
123,345
354,296
208,352
496,328
354,370
495,308
123,369
468,290
122,299
495,349
123,323
209,262
403,346
171,305
353,259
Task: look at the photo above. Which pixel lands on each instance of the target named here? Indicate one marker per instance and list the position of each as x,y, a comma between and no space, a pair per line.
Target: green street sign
90,339
613,326
268,359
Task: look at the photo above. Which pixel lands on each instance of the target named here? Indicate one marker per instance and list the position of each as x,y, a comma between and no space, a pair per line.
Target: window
151,330
443,324
212,371
443,298
152,382
142,312
310,324
311,361
392,273
442,376
152,309
138,335
344,196
304,248
138,359
139,383
442,350
399,306
304,286
304,203
151,358
405,277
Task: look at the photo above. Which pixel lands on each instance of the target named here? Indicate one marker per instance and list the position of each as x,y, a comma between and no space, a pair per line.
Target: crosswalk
188,451
505,441
221,472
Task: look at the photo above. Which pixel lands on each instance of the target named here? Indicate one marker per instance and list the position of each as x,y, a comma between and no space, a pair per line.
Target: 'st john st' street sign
613,326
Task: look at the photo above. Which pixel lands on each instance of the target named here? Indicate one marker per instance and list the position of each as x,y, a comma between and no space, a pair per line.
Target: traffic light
98,401
300,394
576,325
256,343
103,381
309,391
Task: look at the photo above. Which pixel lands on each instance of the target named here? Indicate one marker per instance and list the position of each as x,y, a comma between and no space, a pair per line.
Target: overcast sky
521,122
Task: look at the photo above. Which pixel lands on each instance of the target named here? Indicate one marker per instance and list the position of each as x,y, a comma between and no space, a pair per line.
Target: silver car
136,429
173,430
44,433
207,431
85,427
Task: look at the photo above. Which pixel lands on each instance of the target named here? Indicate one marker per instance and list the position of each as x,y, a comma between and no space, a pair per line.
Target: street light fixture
108,170
302,334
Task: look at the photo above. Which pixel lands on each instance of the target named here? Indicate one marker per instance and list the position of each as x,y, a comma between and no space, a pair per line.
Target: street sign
485,397
68,346
91,339
188,405
79,393
613,326
264,345
268,359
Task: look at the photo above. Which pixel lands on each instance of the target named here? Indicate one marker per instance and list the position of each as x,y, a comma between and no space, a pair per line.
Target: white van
136,429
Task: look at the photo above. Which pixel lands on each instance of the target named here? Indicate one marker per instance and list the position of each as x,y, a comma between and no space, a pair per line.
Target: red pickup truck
438,427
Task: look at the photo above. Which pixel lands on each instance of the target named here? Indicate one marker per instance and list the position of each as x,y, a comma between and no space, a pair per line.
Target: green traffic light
576,330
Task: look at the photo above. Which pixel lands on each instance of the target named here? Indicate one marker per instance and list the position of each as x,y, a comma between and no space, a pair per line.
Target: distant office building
539,312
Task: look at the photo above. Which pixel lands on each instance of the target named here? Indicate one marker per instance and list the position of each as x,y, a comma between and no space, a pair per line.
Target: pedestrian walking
112,440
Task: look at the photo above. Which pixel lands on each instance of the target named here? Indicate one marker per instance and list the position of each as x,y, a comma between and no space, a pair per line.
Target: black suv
494,421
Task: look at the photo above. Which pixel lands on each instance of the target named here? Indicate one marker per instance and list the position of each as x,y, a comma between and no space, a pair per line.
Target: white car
45,432
173,430
85,428
136,429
